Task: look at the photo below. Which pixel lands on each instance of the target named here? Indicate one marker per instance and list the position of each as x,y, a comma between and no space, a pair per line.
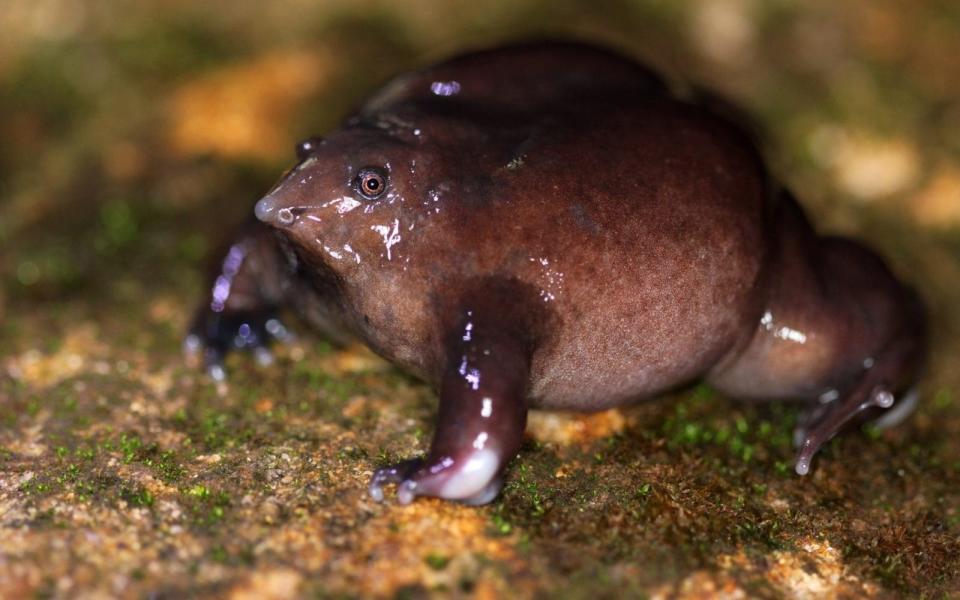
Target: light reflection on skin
434,195
445,88
445,463
784,333
470,374
475,474
347,248
332,252
344,204
306,164
829,396
391,236
231,266
554,279
347,204
487,409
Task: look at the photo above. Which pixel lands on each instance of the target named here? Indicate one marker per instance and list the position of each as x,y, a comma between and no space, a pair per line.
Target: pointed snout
264,210
270,212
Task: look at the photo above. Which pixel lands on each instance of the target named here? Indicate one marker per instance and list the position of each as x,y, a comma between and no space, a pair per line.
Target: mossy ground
130,135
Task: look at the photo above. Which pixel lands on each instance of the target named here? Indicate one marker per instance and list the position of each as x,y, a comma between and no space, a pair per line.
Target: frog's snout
264,210
267,211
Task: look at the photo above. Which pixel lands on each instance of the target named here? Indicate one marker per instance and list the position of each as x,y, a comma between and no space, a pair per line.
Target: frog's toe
192,346
275,328
900,411
214,335
209,352
394,474
263,356
213,364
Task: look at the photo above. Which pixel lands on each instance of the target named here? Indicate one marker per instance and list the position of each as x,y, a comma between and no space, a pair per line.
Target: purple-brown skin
547,226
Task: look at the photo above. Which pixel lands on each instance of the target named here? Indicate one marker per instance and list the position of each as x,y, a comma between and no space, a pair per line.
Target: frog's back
637,218
522,78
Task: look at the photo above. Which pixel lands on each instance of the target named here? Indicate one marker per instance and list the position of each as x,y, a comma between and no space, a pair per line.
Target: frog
554,226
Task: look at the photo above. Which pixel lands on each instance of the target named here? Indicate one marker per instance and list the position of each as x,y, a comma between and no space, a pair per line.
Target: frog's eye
307,147
371,182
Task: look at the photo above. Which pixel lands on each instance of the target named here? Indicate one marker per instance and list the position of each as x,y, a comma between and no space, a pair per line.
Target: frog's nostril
285,216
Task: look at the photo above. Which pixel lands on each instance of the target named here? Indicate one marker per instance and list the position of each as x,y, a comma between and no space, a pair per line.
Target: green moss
437,562
352,454
644,490
525,488
943,398
499,525
199,491
118,226
172,46
44,84
34,487
219,554
165,464
129,446
136,495
207,506
695,424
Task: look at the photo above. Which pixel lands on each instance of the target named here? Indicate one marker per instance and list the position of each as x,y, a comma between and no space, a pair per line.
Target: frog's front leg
248,284
481,420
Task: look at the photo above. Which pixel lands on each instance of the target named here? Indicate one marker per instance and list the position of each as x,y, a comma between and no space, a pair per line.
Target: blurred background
135,134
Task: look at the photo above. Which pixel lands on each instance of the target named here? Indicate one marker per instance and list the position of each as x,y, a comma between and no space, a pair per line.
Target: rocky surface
133,138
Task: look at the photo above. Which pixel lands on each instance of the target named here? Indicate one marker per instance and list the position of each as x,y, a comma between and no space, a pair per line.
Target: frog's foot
483,409
214,335
393,474
823,422
474,479
827,421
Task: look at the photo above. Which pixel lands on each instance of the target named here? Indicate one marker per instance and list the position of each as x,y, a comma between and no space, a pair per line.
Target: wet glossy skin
547,226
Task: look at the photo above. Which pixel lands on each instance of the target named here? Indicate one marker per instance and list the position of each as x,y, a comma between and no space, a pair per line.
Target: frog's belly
629,350
597,376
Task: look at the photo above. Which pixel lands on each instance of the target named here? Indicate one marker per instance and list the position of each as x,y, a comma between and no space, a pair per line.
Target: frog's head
354,200
364,208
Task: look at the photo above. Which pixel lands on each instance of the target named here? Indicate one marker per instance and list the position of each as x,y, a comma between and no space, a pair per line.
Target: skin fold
548,226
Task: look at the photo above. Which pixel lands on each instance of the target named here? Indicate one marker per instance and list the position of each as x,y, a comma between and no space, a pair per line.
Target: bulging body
548,226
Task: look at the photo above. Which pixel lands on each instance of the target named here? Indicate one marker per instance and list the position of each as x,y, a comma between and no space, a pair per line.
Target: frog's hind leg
885,391
837,331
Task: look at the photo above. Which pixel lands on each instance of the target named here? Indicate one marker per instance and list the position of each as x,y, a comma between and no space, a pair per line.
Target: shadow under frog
547,226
